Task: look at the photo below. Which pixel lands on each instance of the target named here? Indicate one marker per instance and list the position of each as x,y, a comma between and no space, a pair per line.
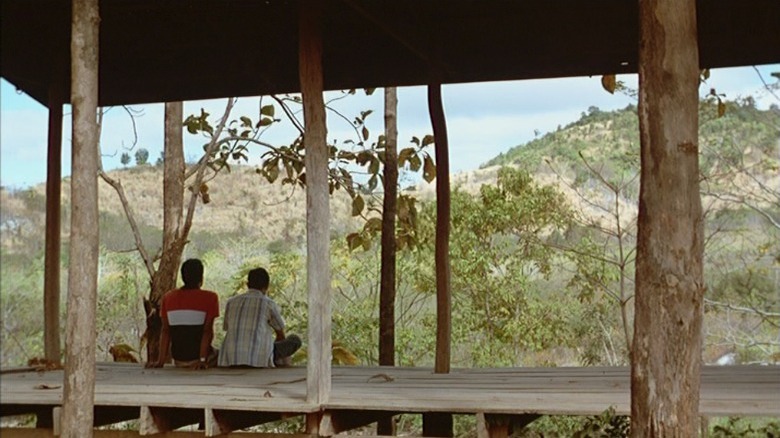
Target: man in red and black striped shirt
188,317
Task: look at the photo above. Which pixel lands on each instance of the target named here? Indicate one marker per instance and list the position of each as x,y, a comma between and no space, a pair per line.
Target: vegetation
542,257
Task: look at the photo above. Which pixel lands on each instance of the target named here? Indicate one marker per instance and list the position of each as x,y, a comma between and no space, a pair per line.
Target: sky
483,119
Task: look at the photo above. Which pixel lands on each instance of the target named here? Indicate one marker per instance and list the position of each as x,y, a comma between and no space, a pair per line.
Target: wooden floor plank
736,390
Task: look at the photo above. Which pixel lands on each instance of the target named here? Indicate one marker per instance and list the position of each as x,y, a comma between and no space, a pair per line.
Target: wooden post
386,426
79,385
440,424
443,297
51,271
666,356
318,379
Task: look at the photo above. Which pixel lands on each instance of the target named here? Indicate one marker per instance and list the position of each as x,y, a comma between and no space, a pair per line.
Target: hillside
245,204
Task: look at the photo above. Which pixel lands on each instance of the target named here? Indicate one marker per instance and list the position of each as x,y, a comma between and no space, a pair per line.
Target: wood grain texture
317,203
737,390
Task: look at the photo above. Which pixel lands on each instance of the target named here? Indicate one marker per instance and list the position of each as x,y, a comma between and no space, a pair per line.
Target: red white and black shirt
187,310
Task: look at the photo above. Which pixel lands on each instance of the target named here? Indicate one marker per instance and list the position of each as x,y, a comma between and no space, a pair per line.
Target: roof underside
170,50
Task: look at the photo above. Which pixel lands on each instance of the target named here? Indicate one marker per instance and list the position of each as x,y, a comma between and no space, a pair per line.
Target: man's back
250,322
187,310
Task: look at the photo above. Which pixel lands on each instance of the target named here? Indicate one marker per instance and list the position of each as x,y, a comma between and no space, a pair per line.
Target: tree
141,156
499,247
176,221
125,159
666,355
604,249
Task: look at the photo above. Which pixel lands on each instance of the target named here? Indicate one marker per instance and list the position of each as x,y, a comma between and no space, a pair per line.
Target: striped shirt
250,323
187,310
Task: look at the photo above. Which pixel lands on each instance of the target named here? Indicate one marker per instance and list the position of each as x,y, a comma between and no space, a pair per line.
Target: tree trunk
79,385
387,281
440,424
164,278
318,381
666,356
51,278
443,298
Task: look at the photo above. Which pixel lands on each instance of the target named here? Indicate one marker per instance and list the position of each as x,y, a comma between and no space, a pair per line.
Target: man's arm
205,344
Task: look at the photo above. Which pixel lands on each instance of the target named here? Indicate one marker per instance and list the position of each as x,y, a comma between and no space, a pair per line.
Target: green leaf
354,240
365,133
428,139
271,172
265,121
246,121
373,168
267,110
415,163
429,169
405,155
357,205
373,225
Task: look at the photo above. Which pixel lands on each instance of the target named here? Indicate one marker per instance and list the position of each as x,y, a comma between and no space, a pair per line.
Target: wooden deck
163,398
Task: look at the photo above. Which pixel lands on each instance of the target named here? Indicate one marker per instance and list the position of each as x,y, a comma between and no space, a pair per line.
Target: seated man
188,321
249,321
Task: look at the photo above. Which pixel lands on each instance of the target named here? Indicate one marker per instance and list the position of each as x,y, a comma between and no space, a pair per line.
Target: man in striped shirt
188,321
254,328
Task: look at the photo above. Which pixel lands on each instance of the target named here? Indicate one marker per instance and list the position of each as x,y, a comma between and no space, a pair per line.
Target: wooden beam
334,422
318,382
666,355
222,421
29,432
51,270
79,375
502,425
440,424
313,422
442,256
156,420
437,424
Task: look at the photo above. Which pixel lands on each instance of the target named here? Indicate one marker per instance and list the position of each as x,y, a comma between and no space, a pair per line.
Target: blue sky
483,119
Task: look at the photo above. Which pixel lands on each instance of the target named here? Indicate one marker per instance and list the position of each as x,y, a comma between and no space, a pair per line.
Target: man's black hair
192,273
258,279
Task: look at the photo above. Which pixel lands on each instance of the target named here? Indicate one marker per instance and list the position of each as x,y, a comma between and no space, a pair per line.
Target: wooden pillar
443,297
318,379
79,385
440,424
51,271
666,356
386,426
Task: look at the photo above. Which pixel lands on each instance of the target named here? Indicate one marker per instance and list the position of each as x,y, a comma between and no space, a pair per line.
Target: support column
79,376
666,355
51,273
318,376
440,424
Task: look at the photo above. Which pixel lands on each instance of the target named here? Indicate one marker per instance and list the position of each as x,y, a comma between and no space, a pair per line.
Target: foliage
141,156
741,427
517,298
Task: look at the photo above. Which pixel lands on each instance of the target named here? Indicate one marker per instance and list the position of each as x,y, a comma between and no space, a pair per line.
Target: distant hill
245,204
613,136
